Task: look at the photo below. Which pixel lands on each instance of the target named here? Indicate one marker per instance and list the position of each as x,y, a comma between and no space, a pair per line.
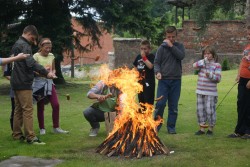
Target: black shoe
35,141
199,132
171,132
234,135
209,132
245,136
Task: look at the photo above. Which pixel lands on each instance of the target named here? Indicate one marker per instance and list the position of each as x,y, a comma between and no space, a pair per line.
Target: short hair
171,29
211,50
31,29
146,42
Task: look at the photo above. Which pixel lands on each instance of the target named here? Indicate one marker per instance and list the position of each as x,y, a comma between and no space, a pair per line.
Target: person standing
144,63
47,60
7,75
242,129
208,76
21,82
7,62
168,70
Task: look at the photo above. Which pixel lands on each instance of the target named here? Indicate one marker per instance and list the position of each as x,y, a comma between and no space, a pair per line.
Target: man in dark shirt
21,82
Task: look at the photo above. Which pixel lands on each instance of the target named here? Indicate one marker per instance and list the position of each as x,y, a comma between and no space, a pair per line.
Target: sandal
234,135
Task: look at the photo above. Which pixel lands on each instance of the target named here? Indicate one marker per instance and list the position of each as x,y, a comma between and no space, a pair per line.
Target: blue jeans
170,89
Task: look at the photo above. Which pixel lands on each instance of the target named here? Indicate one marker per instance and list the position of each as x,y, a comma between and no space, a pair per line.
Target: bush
196,72
225,65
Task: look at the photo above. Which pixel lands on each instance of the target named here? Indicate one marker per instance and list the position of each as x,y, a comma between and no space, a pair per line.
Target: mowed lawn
77,149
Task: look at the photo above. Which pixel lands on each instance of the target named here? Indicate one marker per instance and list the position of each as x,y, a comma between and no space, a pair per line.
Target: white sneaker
93,132
42,131
59,130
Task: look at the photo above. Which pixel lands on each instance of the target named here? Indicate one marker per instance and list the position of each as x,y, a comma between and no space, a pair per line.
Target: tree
53,20
207,9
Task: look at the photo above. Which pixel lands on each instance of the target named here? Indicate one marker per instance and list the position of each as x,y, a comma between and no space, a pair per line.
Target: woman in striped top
208,77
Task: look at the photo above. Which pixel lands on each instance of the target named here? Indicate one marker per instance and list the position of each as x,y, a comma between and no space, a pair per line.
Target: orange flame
126,80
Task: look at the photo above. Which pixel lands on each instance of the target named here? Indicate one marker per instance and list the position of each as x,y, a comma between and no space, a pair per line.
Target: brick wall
228,38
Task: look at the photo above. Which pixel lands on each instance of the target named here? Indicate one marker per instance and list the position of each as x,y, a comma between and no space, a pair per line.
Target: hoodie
168,60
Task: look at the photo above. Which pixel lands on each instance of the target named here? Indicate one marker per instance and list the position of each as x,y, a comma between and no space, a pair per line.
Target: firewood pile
130,141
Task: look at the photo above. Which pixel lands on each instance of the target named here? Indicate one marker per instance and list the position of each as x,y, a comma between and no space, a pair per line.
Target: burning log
134,133
123,143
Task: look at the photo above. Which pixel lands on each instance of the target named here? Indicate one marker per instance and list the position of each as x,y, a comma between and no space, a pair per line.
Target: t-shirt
45,61
244,68
145,72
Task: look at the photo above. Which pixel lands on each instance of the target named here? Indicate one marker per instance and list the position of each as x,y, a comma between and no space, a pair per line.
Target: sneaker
209,132
199,132
35,141
42,131
59,130
234,135
93,132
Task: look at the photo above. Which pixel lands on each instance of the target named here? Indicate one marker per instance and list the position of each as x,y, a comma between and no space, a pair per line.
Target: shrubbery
225,65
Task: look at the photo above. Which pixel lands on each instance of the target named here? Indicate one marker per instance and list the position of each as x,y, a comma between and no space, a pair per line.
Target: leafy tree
160,15
53,20
206,10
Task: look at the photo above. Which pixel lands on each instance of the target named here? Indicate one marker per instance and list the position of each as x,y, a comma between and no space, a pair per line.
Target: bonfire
134,133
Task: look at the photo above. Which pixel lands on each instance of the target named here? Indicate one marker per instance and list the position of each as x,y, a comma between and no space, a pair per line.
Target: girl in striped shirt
208,77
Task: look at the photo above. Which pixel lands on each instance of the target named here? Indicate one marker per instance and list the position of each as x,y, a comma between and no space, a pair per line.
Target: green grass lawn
78,149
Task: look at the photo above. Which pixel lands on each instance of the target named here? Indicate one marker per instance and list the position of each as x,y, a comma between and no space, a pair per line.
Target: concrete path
23,161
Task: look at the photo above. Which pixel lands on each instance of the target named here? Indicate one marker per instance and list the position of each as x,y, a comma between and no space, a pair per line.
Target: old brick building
106,43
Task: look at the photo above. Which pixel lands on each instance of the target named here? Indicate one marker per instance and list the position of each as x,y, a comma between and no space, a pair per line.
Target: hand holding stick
102,98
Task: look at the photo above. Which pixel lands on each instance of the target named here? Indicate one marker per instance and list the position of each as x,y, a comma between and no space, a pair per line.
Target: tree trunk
59,79
247,12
